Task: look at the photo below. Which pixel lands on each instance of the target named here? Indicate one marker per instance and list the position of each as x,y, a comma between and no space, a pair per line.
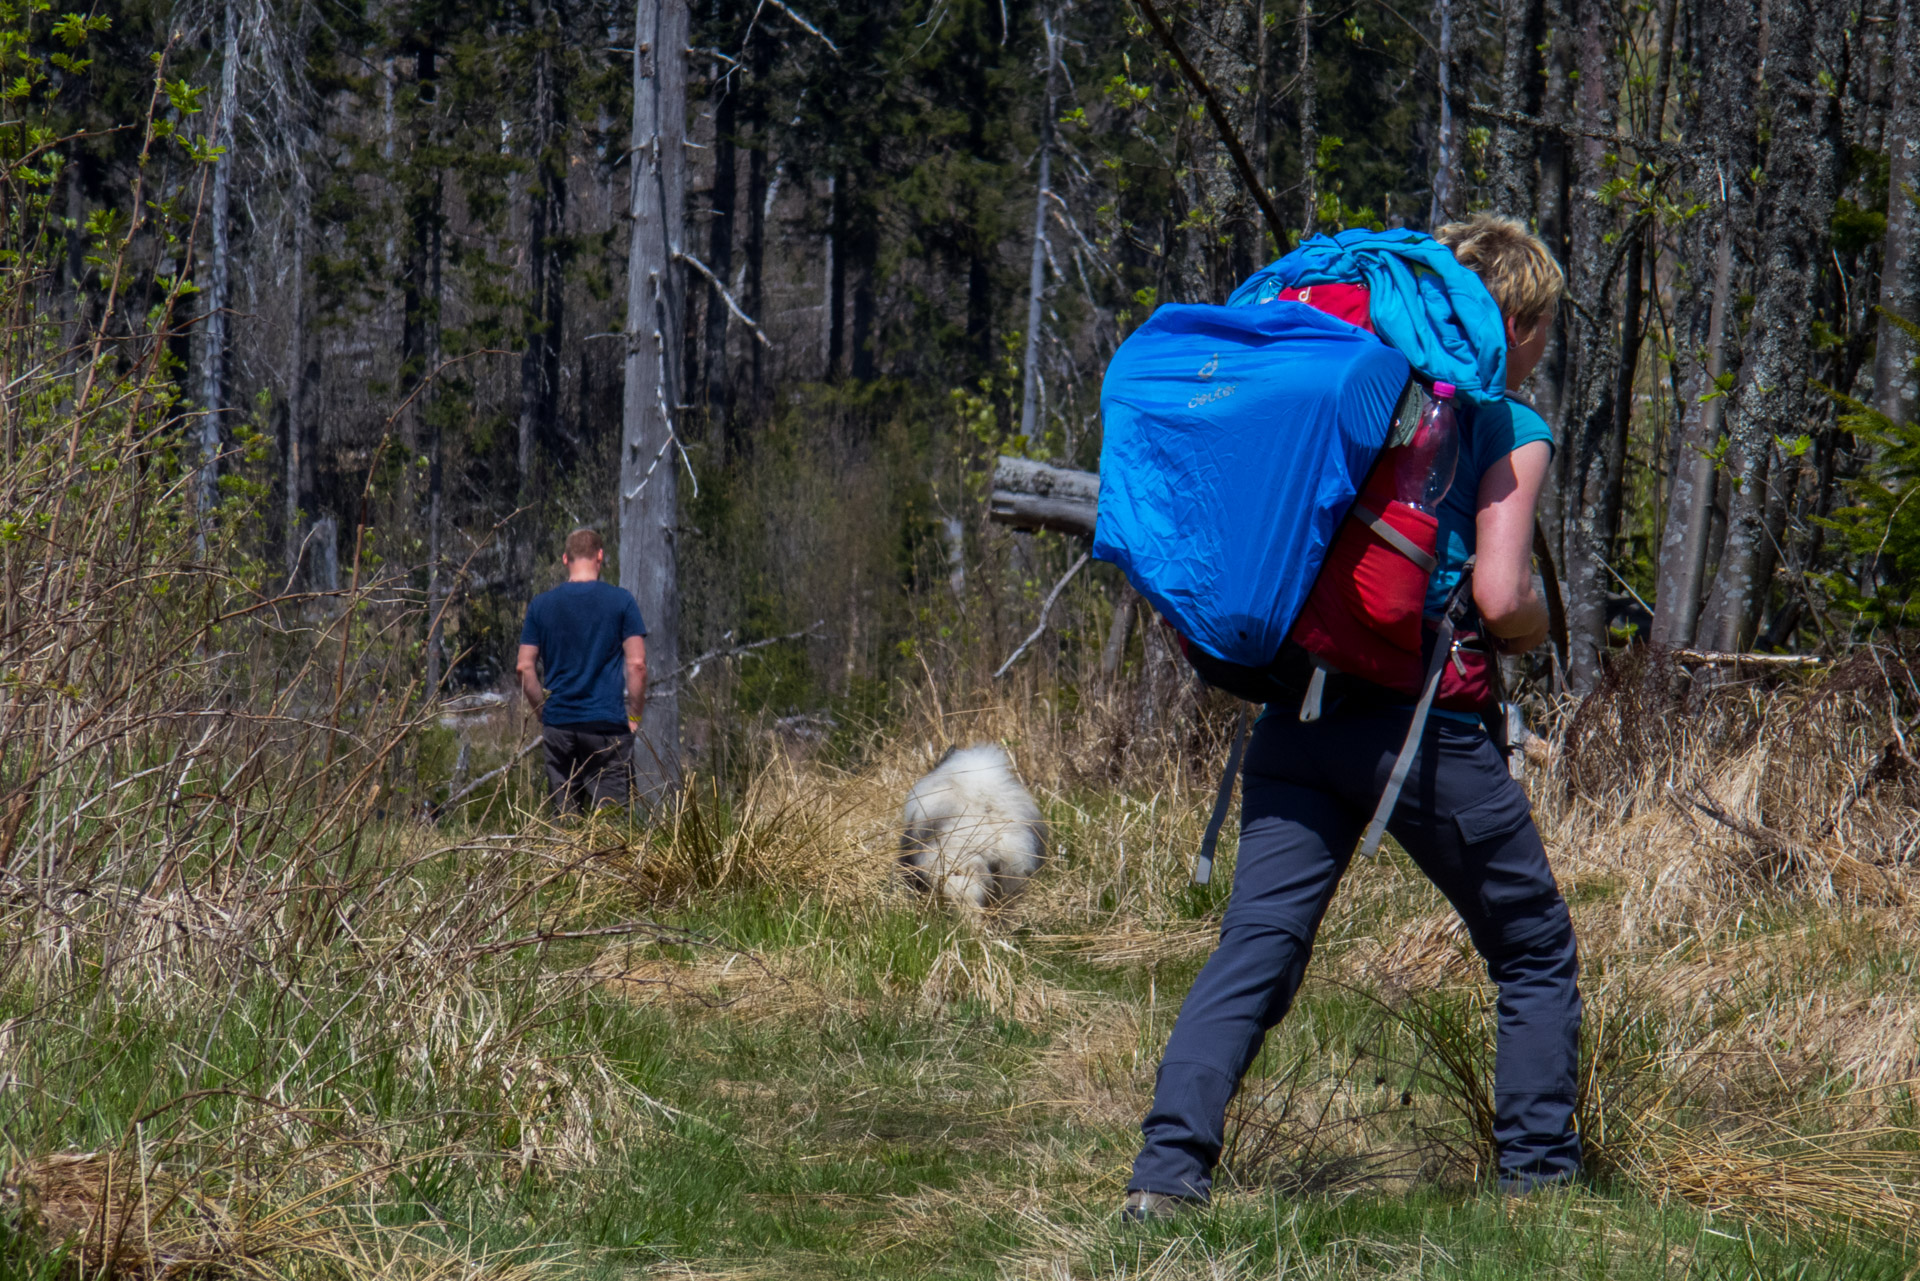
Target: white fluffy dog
973,833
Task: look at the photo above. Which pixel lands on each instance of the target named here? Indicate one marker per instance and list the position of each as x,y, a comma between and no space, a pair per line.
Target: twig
1045,609
806,26
1708,657
489,776
721,289
1275,223
1520,120
692,668
662,932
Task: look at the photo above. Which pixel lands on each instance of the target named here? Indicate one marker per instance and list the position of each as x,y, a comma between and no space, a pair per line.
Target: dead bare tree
650,452
1037,268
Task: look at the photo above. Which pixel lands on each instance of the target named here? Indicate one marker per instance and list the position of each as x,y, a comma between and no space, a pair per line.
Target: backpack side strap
1395,539
1203,864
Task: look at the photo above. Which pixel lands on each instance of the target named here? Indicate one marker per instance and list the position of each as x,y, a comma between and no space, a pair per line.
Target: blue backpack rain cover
1235,439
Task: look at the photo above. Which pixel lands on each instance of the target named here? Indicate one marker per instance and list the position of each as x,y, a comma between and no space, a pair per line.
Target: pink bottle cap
1444,390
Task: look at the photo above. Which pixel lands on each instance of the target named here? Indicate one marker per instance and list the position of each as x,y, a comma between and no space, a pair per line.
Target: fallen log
1030,495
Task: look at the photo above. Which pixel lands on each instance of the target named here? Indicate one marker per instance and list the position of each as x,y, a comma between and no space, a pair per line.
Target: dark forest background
395,241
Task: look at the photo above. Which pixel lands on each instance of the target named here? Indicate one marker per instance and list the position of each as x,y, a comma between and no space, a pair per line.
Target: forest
323,323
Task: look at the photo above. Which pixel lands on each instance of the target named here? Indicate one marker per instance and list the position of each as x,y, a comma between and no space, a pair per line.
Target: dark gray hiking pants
585,769
1308,792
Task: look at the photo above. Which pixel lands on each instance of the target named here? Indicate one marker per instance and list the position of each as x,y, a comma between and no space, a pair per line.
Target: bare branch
721,289
1046,608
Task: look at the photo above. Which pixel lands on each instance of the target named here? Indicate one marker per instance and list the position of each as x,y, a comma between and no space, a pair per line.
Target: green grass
886,1094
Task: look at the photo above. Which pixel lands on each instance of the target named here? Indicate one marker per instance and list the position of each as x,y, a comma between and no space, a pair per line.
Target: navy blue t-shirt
581,630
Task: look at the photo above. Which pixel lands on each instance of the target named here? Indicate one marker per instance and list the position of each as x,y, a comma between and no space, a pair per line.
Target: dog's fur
973,834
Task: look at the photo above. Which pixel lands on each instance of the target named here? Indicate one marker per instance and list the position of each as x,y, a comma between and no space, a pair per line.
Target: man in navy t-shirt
589,636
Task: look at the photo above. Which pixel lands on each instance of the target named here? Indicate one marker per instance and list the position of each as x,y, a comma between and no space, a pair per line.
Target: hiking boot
1152,1207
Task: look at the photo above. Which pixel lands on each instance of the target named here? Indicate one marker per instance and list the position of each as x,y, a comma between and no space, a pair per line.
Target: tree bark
1446,165
1114,652
1772,396
649,461
1309,109
1227,227
1728,47
1511,181
835,320
546,276
720,251
1591,493
296,464
1037,266
1549,389
213,367
758,191
1895,387
1030,495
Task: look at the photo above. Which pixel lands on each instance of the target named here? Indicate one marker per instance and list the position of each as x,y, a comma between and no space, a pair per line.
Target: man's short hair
582,544
1516,266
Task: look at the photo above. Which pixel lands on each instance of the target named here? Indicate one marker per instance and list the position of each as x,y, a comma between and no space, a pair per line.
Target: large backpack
1236,440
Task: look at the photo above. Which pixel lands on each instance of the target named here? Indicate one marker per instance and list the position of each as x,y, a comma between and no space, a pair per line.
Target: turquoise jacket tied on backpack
1424,304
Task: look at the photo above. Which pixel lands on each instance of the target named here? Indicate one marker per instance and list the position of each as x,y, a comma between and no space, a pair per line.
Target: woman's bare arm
1503,548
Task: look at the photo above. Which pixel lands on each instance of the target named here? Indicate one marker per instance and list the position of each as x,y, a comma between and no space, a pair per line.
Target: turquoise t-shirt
1489,433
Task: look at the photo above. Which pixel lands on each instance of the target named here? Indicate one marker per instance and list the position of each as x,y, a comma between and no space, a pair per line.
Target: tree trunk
759,192
1591,493
1030,495
1728,47
1446,165
863,260
1772,397
1548,385
296,464
1513,148
720,252
1114,652
213,366
836,277
435,413
1227,228
1895,388
546,276
649,486
1309,109
1037,266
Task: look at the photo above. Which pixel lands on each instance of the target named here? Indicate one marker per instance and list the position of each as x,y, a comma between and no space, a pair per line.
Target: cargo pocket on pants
1502,814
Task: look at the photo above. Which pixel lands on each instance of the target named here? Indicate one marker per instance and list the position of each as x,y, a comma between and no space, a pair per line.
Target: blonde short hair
1517,267
583,544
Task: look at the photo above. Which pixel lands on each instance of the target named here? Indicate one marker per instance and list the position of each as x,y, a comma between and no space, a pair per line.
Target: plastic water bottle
1423,467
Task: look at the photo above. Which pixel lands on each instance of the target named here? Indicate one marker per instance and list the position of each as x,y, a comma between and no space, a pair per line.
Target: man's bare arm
528,667
636,648
1503,548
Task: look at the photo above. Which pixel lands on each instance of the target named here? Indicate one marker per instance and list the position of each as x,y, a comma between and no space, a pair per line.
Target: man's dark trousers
587,768
1308,792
